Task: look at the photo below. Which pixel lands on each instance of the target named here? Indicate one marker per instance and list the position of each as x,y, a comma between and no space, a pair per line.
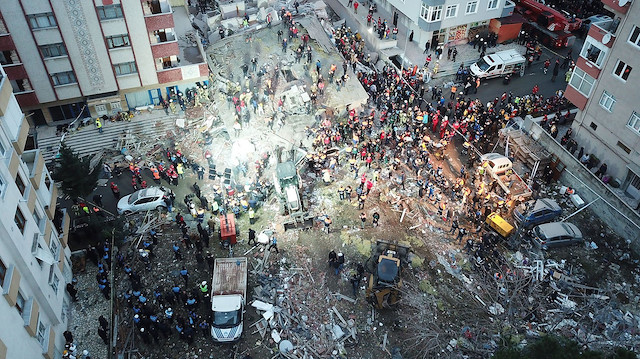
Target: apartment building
446,21
70,58
35,261
606,90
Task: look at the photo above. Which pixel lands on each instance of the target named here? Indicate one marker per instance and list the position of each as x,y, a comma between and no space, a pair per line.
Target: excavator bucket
303,222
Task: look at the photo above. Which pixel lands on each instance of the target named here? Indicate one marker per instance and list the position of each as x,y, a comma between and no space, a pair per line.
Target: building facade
69,58
35,263
605,89
446,22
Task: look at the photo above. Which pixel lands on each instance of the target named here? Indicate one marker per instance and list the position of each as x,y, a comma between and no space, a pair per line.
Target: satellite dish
623,2
606,38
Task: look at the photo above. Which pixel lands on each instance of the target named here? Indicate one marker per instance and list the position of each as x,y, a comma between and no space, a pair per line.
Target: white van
499,64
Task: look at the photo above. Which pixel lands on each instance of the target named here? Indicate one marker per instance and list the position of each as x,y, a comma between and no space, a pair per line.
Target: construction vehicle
287,183
385,269
500,169
228,298
552,27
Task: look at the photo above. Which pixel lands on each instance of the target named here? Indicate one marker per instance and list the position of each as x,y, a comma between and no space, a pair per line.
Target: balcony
604,30
163,43
35,165
156,7
191,50
162,36
51,208
616,7
62,222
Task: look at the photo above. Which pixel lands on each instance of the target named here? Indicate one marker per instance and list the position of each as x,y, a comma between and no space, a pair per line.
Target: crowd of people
401,136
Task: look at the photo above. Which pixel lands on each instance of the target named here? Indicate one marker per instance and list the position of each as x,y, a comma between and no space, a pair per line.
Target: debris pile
291,312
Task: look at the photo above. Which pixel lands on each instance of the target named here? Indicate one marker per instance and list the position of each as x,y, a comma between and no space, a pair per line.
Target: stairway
88,140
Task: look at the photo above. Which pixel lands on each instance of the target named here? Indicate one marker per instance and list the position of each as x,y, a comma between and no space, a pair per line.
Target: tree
74,174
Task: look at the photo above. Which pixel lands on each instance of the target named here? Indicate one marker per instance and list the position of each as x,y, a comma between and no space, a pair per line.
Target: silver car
556,234
143,200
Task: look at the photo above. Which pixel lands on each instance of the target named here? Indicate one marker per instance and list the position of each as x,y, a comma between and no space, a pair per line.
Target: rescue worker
204,290
156,174
252,216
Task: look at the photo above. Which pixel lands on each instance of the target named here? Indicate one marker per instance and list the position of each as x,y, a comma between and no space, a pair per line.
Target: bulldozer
385,268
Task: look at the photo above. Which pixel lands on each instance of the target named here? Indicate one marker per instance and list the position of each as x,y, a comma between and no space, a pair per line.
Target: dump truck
228,298
385,269
287,183
500,168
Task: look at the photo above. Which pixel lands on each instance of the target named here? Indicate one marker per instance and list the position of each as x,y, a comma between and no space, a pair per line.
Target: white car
143,200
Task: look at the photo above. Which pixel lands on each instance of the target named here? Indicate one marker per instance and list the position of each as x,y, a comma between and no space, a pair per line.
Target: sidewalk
413,52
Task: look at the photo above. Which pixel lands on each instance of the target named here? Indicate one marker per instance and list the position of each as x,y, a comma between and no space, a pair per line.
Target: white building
34,256
66,58
446,21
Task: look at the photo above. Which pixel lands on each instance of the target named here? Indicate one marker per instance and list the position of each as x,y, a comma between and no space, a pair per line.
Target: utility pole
111,301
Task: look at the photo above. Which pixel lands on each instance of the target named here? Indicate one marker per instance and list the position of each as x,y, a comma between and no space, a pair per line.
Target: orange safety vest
156,174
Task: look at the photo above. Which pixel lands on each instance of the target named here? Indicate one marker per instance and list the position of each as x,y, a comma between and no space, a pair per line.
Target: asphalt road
520,86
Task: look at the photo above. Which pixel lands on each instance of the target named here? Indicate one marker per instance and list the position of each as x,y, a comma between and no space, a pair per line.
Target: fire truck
552,27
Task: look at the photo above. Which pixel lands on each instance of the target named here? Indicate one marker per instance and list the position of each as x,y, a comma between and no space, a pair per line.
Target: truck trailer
228,298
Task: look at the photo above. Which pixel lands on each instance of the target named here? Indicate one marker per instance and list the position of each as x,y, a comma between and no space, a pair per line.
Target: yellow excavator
385,267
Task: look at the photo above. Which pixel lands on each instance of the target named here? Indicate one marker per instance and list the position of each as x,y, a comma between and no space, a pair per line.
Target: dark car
532,213
556,234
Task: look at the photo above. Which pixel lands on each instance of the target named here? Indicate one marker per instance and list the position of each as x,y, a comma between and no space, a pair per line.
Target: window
607,101
109,12
116,41
54,247
472,7
622,70
115,106
594,52
125,68
581,81
47,181
63,78
3,150
431,13
41,333
55,282
101,109
3,185
39,220
3,272
21,85
8,57
19,220
42,21
452,11
635,36
493,4
20,184
593,126
20,302
53,50
634,122
34,243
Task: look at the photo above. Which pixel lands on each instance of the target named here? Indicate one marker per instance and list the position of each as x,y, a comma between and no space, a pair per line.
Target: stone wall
610,209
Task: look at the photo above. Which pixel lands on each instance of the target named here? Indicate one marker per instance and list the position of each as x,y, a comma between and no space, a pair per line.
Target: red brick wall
165,49
172,75
160,21
27,99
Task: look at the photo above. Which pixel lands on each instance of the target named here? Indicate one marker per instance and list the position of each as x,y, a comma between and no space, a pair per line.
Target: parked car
532,213
556,234
143,200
